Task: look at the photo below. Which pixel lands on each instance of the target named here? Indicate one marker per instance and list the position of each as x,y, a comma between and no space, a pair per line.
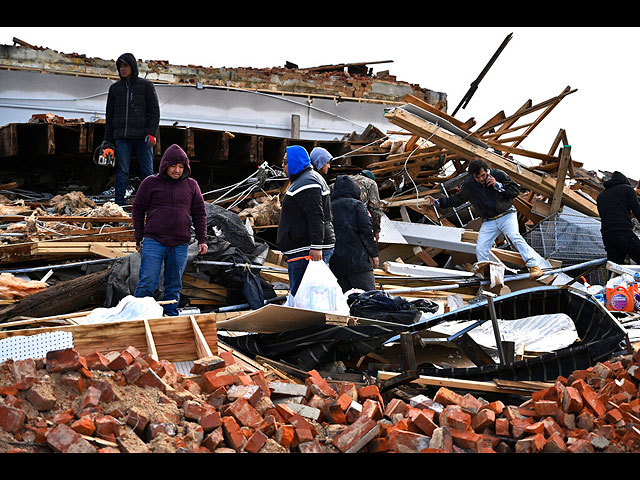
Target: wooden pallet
176,339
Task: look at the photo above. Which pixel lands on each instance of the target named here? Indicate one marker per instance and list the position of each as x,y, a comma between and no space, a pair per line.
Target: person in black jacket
356,252
132,120
305,229
615,204
491,193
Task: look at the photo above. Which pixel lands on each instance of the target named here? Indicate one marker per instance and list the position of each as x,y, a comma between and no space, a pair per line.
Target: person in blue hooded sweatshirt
305,228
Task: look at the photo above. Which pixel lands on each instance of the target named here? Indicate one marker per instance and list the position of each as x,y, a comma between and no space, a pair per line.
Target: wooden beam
565,159
202,347
151,344
430,108
517,388
519,151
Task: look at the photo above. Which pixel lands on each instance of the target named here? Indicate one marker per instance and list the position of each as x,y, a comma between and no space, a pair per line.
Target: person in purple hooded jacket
165,206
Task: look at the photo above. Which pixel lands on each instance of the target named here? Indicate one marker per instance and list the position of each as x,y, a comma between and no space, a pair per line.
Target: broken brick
63,360
63,439
41,396
84,426
11,419
446,397
357,435
315,382
532,444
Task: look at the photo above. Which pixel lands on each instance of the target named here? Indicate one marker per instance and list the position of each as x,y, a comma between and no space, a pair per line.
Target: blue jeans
296,269
152,257
508,225
125,148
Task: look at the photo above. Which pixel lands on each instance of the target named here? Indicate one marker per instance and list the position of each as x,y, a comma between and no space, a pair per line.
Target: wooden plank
43,248
565,159
430,108
517,388
9,140
204,285
106,252
202,347
526,109
66,219
151,345
520,151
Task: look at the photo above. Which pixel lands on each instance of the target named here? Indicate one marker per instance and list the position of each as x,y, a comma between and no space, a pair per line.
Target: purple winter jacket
170,205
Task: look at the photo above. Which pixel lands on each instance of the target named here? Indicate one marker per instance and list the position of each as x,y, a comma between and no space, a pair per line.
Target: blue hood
298,159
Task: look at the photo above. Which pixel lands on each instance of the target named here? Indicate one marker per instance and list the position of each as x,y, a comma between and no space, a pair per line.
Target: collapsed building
378,379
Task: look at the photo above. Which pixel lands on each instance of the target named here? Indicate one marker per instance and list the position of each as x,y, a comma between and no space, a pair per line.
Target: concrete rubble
68,252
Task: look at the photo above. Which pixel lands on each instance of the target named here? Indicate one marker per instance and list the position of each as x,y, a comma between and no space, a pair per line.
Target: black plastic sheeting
312,347
378,305
600,335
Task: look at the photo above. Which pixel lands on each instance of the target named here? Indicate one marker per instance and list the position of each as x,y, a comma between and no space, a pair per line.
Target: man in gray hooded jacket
132,120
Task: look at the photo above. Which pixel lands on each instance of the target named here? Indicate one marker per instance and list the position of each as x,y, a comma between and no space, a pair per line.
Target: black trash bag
252,289
378,305
230,226
233,279
425,305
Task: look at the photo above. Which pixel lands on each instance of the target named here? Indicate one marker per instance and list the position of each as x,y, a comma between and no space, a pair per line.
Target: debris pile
132,403
62,254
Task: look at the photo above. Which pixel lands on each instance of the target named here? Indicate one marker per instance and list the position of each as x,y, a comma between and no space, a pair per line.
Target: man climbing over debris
131,123
165,206
615,205
491,193
305,229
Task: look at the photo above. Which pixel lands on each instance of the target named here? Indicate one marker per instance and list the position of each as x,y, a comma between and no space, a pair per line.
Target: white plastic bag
319,290
129,308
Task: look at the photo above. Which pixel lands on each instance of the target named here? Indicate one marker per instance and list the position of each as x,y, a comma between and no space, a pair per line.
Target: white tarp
540,333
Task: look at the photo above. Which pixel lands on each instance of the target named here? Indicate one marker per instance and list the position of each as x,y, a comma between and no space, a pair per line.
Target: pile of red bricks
96,403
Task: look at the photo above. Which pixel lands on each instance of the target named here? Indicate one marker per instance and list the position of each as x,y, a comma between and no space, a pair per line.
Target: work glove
108,150
150,140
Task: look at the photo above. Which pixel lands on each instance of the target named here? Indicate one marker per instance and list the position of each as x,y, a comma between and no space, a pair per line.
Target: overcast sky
537,64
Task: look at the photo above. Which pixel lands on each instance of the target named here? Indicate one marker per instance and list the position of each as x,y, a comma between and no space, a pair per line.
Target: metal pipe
231,264
496,329
510,278
243,306
53,267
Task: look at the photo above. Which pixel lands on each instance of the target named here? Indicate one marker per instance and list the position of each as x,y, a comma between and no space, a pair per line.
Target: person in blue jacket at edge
305,229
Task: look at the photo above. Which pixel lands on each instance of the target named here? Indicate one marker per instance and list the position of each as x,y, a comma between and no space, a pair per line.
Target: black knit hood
617,178
131,60
345,187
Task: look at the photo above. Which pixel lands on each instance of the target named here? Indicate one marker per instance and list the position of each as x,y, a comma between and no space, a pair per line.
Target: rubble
67,403
276,379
